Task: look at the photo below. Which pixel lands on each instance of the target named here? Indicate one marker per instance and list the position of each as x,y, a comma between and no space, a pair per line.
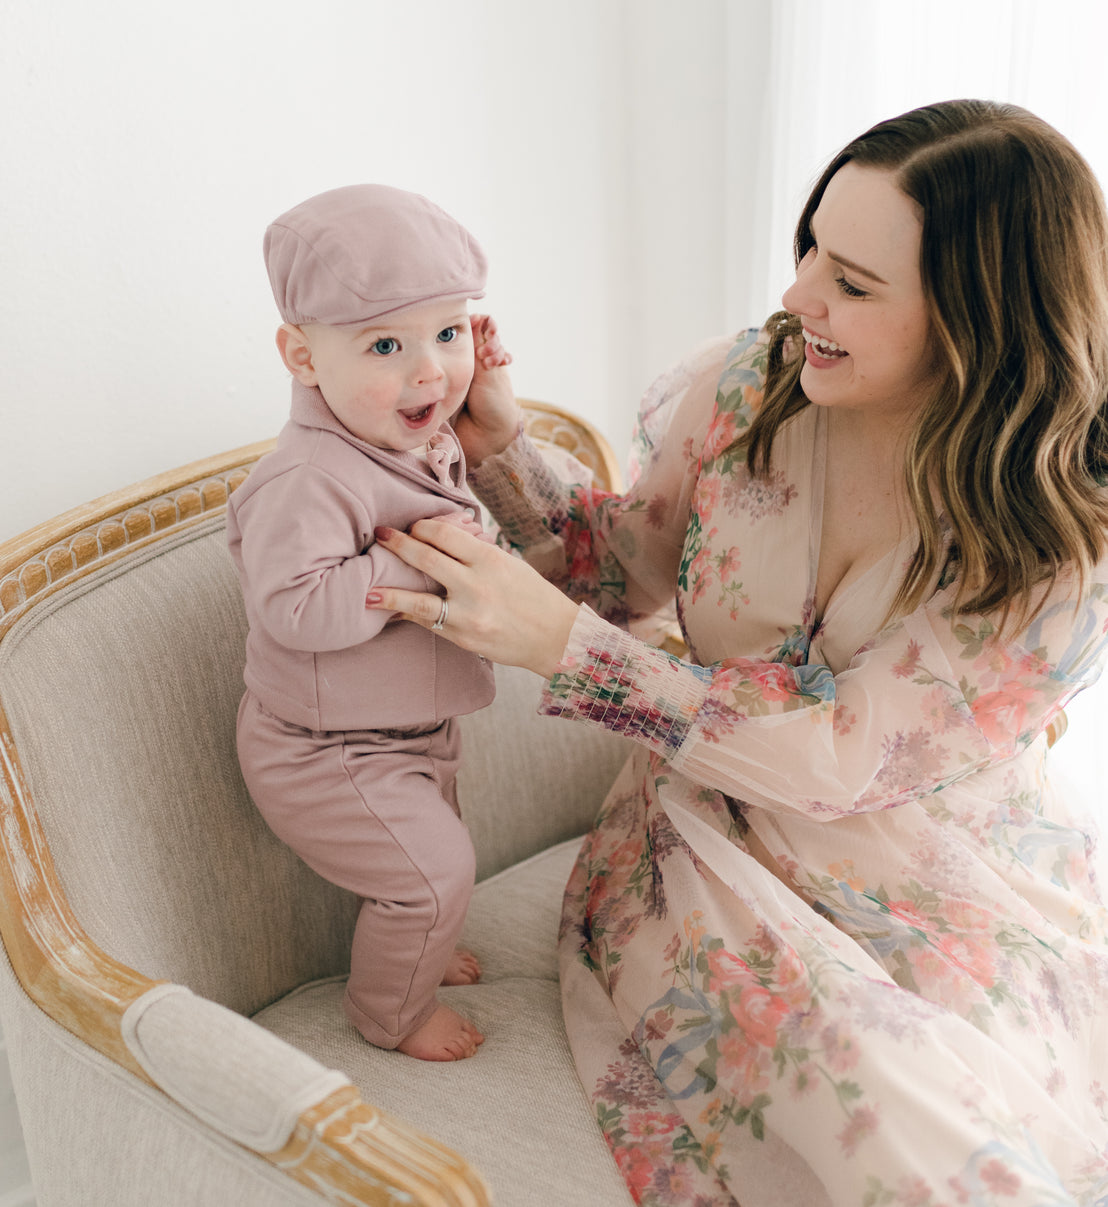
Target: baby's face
396,380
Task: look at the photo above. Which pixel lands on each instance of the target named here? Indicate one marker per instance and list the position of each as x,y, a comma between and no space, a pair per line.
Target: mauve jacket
300,532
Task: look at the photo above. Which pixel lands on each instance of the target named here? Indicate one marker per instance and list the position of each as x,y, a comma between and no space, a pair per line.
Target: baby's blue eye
448,334
386,346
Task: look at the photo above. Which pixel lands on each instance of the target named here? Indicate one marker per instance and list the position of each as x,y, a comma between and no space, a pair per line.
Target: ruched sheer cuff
609,678
527,501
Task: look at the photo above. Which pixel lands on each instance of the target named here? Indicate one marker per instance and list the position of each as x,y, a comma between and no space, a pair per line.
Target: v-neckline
845,588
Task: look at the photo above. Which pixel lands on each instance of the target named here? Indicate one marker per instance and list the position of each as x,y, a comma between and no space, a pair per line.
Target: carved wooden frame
343,1148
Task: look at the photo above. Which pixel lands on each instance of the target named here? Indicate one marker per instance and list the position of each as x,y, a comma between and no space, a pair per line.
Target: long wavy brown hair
1014,439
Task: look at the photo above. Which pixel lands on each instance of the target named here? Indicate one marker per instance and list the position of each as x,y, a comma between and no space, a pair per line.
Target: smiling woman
838,816
871,327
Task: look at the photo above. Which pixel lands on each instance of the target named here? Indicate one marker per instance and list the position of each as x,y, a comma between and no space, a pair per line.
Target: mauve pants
376,812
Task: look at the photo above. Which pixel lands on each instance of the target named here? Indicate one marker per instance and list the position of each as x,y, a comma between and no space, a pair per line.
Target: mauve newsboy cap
361,252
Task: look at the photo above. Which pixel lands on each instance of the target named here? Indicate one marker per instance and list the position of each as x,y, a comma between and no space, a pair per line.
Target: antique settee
171,974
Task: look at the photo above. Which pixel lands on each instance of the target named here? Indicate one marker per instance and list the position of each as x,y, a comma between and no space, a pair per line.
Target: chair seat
520,1093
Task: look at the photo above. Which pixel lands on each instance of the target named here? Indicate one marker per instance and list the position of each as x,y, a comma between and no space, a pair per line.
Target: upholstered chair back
126,738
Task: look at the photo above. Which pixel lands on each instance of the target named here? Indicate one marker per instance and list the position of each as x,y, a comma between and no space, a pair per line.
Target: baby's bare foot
444,1036
463,968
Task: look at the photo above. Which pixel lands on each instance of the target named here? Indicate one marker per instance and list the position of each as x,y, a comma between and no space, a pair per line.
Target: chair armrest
230,1073
327,1138
262,1093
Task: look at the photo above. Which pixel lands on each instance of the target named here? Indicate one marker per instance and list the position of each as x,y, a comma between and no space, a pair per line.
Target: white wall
145,147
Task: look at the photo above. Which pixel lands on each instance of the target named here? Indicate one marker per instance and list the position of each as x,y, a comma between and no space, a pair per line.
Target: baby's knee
453,878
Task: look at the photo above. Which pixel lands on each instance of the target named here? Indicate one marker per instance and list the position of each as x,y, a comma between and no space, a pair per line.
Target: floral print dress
833,938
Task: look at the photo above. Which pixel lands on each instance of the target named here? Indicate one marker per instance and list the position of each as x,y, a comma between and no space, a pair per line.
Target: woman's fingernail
372,599
382,534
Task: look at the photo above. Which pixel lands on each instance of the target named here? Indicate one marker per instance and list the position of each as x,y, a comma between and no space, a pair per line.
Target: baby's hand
488,422
467,523
488,351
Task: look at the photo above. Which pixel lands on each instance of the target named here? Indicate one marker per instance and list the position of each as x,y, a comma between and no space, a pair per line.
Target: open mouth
418,417
825,349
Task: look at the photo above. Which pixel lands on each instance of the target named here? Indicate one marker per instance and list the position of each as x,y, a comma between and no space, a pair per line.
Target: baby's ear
296,352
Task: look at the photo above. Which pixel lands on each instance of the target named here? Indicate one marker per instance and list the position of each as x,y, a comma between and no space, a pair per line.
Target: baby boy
348,732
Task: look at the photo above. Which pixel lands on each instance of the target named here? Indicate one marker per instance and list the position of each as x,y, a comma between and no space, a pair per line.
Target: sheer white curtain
835,67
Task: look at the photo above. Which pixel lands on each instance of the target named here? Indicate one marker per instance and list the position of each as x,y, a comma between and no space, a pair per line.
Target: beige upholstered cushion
516,1110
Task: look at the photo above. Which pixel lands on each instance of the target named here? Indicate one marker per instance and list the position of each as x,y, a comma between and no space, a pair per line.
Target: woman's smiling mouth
820,351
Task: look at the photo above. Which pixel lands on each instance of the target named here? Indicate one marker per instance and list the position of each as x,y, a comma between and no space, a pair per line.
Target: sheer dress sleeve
620,553
931,700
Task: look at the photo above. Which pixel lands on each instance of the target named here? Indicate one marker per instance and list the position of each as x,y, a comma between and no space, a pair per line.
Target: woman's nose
802,296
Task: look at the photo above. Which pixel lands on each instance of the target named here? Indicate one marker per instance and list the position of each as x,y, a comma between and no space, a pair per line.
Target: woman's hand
488,422
497,606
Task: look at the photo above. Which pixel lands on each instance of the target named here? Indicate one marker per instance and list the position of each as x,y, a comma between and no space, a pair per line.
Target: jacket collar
310,409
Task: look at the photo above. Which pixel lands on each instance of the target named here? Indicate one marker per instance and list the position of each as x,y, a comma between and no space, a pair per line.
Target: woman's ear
296,352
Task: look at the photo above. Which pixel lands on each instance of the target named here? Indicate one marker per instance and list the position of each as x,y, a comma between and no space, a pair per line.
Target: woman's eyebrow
863,272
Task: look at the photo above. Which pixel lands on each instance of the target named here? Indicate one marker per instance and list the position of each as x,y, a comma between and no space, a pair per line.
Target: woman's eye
385,347
448,334
851,291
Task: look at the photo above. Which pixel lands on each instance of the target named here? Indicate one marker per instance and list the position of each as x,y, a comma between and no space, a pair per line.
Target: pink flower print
975,958
728,562
625,856
1055,1082
999,1178
656,511
1002,715
938,981
759,1013
945,714
843,720
907,665
647,1125
582,565
965,915
636,1168
707,494
792,981
840,1048
740,1067
721,435
776,681
658,1025
761,496
909,914
861,1125
914,1192
805,1079
700,572
726,971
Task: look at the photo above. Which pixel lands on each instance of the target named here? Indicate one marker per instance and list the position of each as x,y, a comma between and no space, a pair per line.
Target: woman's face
859,295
